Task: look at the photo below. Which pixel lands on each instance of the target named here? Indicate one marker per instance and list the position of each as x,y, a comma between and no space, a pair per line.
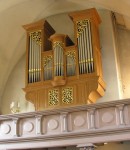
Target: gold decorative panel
46,59
53,97
58,43
81,25
36,36
67,95
71,54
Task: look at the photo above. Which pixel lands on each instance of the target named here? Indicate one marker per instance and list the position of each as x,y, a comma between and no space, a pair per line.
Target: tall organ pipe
85,49
90,42
40,62
58,41
80,56
33,60
30,60
58,60
34,57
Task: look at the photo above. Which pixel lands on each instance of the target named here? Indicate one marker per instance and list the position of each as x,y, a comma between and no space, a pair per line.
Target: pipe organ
60,72
34,63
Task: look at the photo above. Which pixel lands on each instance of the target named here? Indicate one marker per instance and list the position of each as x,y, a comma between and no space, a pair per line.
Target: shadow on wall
13,90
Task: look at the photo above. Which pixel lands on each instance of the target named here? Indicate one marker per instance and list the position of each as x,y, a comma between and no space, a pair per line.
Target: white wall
108,57
13,90
62,24
124,58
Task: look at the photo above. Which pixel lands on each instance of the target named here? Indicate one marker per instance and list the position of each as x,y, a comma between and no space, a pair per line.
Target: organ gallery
61,72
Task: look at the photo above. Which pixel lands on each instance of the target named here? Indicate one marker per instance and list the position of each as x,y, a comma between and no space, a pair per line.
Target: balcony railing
94,123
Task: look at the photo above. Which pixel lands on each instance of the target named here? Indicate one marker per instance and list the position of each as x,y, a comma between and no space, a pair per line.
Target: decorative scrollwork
46,59
58,43
36,36
80,26
71,54
67,95
53,97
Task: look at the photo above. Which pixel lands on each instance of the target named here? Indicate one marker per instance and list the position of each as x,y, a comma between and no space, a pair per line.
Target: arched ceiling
15,13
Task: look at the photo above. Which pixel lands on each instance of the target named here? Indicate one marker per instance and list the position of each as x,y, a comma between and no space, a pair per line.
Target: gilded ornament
36,36
58,43
46,59
81,25
67,95
53,97
71,54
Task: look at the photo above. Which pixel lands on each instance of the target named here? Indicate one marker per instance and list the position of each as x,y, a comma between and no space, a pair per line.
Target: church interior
65,75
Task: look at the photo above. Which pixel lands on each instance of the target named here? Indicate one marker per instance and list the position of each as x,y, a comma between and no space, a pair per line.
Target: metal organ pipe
83,52
55,62
30,60
38,61
90,42
88,48
34,57
80,58
71,63
58,59
34,61
40,50
85,49
59,62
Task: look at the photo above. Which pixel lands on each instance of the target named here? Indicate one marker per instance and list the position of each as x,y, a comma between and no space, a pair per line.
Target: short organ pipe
58,60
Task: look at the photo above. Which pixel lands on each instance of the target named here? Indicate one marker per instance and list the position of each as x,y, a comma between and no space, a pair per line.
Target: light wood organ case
60,72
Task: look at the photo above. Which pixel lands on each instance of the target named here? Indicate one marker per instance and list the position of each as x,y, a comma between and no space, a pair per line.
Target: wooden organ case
60,73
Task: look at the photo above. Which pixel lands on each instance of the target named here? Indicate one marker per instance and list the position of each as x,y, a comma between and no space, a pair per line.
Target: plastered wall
124,58
13,90
62,24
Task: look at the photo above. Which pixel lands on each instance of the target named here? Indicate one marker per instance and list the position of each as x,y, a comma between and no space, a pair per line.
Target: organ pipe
71,63
85,53
85,50
47,67
58,59
34,57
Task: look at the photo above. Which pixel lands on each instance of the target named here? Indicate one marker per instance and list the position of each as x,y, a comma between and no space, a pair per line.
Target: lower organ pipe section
85,50
71,63
58,59
34,74
48,63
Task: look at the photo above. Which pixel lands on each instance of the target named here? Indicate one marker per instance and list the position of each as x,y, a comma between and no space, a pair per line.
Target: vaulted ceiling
15,13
